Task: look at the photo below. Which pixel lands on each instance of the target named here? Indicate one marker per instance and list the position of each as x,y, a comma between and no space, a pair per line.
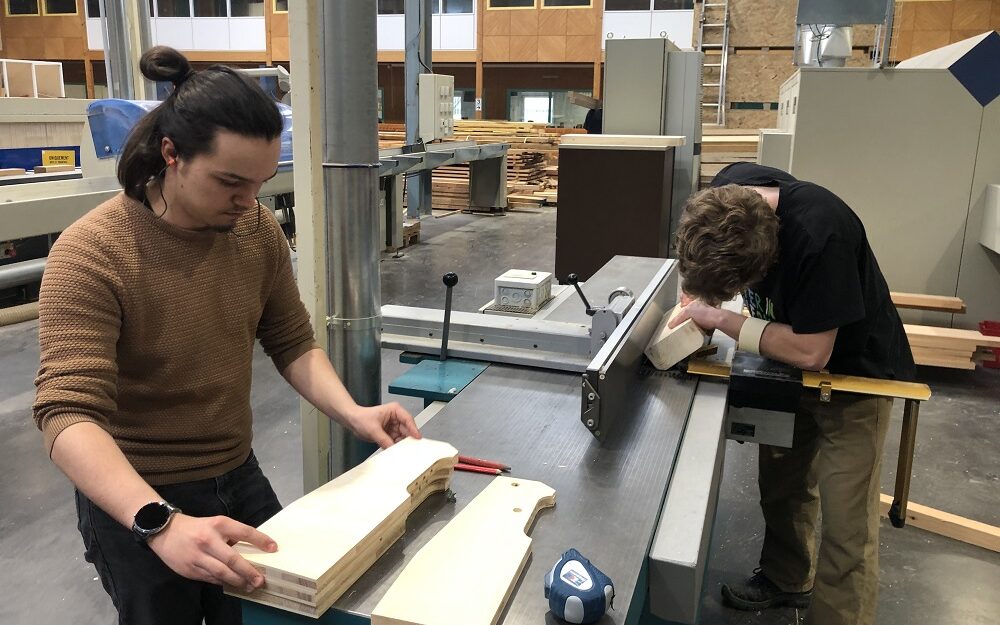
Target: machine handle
575,281
450,279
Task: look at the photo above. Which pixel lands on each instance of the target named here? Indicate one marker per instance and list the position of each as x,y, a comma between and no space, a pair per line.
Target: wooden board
331,536
919,301
49,169
12,171
669,346
947,524
467,572
949,338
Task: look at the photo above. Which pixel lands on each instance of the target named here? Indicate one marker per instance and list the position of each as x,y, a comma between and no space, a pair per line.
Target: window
173,8
464,104
553,4
93,8
626,5
390,7
22,7
281,6
456,6
546,107
60,7
247,8
510,4
210,8
673,5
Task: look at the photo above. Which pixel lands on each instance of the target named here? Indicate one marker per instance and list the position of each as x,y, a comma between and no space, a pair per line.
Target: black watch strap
151,519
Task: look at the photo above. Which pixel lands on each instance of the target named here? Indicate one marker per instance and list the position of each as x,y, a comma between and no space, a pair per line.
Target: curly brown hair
727,240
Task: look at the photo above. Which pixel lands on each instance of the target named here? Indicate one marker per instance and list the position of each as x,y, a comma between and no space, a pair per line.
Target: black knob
572,278
450,279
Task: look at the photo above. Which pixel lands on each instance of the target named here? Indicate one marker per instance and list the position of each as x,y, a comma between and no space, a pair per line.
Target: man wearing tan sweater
149,309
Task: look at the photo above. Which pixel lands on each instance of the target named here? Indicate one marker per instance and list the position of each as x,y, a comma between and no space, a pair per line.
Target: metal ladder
714,23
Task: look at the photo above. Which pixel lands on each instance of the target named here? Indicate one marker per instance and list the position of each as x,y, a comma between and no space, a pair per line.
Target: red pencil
483,463
471,468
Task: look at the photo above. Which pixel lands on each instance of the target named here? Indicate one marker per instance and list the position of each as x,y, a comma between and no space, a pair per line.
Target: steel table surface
608,495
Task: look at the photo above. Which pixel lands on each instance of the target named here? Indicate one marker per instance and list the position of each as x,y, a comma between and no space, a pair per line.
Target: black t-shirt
826,277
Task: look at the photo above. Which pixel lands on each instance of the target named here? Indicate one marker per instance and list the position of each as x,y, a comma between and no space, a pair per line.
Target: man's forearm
92,460
780,342
312,375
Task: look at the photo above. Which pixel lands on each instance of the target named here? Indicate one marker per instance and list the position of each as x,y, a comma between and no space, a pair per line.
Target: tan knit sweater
148,330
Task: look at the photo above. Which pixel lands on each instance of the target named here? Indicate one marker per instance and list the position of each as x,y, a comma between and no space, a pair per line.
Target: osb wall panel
928,24
44,38
762,23
751,119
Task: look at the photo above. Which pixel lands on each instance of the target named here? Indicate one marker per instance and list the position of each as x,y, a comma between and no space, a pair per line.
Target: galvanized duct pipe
25,272
350,180
17,314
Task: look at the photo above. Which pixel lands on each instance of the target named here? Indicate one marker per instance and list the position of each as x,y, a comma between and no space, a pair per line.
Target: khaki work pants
833,466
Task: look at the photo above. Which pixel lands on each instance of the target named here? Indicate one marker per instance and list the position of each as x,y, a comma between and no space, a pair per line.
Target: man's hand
704,316
382,425
201,549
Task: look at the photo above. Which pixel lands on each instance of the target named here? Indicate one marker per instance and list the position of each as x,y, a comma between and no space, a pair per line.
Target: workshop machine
564,395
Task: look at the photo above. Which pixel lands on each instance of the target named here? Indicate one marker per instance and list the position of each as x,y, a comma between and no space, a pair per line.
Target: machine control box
519,290
437,116
763,397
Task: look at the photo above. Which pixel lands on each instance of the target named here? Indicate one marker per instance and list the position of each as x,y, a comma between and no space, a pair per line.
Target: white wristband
750,334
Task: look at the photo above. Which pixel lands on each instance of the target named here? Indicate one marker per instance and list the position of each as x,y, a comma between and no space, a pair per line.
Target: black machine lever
450,279
575,281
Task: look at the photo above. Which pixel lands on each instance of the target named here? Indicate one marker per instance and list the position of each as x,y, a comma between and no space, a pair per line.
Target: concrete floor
925,579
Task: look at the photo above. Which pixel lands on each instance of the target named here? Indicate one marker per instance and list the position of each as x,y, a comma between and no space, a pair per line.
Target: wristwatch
151,519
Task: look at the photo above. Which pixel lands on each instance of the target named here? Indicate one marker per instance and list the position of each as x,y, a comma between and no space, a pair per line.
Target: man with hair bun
148,314
817,300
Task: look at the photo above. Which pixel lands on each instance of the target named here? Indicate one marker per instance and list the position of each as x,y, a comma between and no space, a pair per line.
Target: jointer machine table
566,397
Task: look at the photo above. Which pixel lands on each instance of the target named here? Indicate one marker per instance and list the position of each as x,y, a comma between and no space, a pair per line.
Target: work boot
759,593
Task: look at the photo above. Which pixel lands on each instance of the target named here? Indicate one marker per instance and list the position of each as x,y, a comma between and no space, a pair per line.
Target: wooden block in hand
671,345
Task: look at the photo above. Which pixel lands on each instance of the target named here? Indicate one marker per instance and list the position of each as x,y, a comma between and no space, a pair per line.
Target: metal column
417,61
350,180
126,37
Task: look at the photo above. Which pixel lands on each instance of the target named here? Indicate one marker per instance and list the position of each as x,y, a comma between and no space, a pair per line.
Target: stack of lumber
949,347
722,146
331,536
450,187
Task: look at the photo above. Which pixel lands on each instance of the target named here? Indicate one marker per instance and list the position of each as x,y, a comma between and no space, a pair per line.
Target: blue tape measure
578,592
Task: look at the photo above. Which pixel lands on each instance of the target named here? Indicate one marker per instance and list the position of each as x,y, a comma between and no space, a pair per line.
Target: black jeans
144,590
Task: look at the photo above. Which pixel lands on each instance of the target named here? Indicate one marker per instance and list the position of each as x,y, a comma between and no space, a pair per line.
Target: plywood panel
552,48
495,522
751,119
971,15
927,40
580,22
55,48
995,15
496,49
496,22
524,49
905,16
902,45
581,48
933,15
552,22
280,48
523,23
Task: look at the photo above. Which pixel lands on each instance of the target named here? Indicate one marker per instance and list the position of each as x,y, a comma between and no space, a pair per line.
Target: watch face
152,516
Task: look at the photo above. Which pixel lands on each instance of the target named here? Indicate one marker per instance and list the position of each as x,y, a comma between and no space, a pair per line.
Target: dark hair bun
164,64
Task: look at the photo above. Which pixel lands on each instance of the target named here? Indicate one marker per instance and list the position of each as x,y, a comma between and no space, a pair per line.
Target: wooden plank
947,524
331,536
12,171
919,301
477,559
49,169
950,338
669,346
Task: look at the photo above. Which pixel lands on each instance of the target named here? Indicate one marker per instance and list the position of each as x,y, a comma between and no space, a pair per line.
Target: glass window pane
57,7
626,5
173,8
457,6
248,8
93,8
390,7
210,8
673,5
281,6
564,114
511,4
22,7
565,3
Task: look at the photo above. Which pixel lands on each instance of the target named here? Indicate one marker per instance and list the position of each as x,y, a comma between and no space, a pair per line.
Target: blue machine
111,120
578,592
